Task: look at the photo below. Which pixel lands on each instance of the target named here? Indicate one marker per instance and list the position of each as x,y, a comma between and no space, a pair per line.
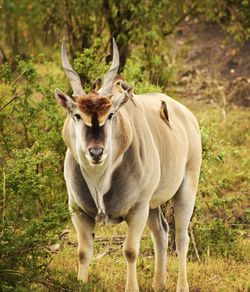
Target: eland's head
93,113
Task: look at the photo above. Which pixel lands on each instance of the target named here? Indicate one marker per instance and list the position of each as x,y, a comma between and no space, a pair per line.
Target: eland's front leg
136,221
84,226
159,230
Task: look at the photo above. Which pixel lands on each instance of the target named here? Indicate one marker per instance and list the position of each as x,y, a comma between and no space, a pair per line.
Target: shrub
33,209
217,238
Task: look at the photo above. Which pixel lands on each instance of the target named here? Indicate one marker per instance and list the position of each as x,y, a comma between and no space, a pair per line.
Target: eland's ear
123,98
129,91
97,84
65,101
128,94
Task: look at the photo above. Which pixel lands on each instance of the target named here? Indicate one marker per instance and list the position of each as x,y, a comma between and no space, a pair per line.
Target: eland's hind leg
159,231
184,201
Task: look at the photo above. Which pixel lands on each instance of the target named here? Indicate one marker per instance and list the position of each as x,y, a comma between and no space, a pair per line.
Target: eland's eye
110,116
77,116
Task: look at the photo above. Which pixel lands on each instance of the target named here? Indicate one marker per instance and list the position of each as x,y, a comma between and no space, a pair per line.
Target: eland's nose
96,153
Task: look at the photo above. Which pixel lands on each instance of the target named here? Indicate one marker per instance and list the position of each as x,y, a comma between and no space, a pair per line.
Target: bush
220,215
217,238
32,194
233,16
89,64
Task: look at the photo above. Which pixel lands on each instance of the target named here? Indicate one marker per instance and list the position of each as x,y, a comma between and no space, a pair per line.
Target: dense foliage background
162,49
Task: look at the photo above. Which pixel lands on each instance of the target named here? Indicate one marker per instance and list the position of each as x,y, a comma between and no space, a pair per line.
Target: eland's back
175,142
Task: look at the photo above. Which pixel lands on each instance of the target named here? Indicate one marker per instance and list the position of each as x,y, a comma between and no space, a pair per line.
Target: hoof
82,280
132,290
160,288
183,289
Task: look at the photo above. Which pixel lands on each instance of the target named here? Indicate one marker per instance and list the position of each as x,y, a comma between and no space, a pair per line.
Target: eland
127,155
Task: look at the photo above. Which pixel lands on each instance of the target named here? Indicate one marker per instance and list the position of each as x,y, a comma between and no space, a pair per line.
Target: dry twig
194,244
9,102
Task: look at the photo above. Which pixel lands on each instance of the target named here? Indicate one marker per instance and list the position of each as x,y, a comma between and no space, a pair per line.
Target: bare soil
217,59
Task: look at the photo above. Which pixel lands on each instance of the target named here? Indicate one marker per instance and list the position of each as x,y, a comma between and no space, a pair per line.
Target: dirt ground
213,59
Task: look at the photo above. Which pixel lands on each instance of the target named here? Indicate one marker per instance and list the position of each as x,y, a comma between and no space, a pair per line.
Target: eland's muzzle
96,153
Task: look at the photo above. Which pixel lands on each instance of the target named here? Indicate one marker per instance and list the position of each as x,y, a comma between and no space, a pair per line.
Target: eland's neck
98,177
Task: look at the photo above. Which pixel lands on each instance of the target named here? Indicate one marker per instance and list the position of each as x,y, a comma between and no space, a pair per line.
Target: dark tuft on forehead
95,122
95,126
94,104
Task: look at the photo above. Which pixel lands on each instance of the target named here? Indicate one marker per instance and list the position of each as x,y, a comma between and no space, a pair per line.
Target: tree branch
9,102
4,57
3,107
178,21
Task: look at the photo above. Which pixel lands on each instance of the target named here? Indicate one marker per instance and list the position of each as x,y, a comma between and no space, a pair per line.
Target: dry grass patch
107,271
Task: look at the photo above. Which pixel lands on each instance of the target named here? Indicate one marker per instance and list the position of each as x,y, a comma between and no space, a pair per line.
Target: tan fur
91,105
119,77
124,136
